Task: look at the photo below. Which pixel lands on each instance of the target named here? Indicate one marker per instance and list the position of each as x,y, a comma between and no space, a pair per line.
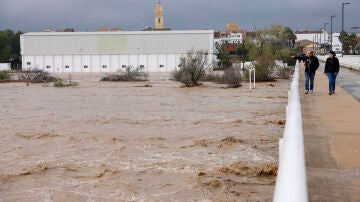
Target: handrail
291,178
352,61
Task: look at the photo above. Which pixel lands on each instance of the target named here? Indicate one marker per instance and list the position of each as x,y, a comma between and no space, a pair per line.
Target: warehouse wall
101,63
109,52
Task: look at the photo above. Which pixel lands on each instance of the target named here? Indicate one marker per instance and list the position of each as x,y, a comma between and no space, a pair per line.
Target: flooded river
139,141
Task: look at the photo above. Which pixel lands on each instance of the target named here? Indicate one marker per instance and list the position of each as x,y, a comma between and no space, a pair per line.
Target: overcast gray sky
82,15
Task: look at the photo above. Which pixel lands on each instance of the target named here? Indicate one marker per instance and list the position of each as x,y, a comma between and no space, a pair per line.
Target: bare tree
36,76
192,69
130,74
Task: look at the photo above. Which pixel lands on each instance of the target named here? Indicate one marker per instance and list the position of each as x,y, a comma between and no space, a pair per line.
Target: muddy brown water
139,141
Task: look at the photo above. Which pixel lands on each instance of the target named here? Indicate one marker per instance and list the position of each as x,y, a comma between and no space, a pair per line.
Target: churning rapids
139,141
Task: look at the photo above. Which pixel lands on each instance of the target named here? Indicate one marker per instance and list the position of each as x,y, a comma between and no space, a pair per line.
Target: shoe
307,91
330,93
333,92
311,91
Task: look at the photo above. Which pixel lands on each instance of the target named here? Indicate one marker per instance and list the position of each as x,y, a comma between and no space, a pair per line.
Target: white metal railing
252,69
352,61
291,178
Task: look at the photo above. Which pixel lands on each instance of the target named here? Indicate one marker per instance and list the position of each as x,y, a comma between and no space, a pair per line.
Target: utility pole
320,42
331,32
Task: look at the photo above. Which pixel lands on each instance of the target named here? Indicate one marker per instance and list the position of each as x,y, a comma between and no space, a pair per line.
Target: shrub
231,77
284,72
62,83
4,75
36,76
264,67
193,68
130,74
70,82
58,83
285,55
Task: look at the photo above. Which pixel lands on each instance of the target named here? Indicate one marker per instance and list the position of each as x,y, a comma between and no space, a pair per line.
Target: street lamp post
342,15
342,21
325,32
320,39
331,20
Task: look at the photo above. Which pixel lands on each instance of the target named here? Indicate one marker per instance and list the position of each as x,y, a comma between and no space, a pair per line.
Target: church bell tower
159,17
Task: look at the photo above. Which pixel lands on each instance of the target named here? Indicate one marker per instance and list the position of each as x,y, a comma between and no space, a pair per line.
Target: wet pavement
332,142
348,79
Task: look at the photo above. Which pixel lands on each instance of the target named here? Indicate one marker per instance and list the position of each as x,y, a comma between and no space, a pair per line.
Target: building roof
156,29
118,33
60,30
303,43
307,32
108,29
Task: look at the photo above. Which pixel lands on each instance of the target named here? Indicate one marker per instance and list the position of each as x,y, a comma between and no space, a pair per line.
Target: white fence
352,61
4,66
291,179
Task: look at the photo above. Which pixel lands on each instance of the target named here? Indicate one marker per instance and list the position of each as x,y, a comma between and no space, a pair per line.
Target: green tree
348,41
223,58
9,45
264,67
289,36
285,55
243,52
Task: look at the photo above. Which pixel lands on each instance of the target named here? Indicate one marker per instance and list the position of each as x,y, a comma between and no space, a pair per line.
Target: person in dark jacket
332,68
311,65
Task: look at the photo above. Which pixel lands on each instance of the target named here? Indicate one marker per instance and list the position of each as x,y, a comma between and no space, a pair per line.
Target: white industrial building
317,36
111,51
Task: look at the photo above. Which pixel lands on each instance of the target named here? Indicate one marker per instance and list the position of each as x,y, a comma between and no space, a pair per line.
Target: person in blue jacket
332,67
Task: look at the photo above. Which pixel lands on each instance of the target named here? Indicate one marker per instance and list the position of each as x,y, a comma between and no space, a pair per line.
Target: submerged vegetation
129,74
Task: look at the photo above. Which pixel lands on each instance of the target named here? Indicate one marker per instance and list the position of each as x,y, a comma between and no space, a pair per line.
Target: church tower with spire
159,17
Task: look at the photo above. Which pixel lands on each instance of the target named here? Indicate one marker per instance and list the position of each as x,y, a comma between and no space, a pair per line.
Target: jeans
309,77
332,80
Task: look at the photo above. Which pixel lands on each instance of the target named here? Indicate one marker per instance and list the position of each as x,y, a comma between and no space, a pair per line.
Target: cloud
37,15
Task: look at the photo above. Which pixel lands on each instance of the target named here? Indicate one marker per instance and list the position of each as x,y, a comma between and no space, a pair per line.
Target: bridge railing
291,178
352,61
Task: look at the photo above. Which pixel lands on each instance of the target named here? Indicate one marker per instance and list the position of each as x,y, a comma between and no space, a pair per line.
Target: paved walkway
332,142
348,79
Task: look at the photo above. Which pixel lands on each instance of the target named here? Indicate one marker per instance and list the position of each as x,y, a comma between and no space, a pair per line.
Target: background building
229,39
336,44
159,20
110,51
320,37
